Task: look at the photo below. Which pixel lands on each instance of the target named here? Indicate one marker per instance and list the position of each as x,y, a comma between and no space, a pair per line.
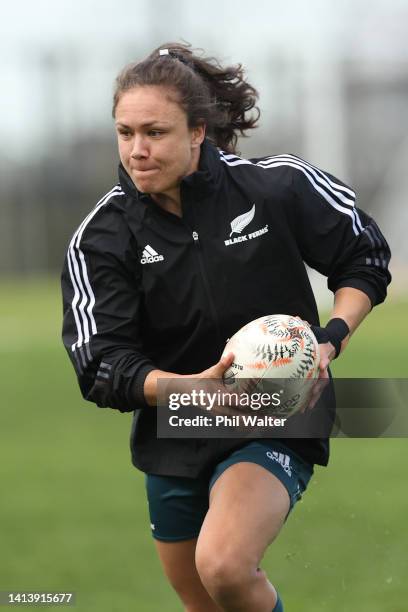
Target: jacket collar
202,182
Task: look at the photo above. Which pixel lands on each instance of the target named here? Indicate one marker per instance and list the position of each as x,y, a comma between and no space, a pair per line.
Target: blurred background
332,78
333,84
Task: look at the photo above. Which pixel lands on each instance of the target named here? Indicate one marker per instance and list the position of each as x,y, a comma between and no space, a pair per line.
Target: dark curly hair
209,94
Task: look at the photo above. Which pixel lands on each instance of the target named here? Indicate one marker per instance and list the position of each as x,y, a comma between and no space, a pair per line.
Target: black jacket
145,289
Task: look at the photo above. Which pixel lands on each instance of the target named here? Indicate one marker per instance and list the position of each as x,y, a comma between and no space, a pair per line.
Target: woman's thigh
248,507
251,494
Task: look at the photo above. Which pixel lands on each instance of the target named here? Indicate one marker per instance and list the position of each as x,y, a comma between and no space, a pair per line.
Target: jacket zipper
206,283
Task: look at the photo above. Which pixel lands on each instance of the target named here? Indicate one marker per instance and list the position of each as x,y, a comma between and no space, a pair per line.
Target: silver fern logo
240,222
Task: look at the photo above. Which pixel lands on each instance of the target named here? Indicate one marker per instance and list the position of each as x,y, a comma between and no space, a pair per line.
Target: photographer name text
243,420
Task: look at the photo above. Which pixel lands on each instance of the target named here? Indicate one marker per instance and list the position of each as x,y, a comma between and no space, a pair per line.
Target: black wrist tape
335,332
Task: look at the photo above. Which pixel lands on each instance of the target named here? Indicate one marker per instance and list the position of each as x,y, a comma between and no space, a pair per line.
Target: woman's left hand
327,354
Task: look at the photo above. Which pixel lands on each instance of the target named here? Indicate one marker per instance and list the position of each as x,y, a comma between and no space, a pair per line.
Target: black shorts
178,505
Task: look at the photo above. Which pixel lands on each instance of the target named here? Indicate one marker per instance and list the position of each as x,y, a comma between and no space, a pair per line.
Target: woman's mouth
144,171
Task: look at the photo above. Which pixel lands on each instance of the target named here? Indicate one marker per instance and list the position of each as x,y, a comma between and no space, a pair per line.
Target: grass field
73,512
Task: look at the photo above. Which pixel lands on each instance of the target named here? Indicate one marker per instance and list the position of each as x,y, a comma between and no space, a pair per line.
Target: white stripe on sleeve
84,299
339,197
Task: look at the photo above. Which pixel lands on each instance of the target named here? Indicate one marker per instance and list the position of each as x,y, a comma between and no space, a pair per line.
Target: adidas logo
150,255
282,459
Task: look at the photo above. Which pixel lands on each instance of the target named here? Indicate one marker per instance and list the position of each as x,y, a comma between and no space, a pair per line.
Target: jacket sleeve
335,237
101,304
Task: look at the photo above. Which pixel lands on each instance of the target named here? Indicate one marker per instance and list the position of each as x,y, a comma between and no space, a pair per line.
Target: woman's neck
169,201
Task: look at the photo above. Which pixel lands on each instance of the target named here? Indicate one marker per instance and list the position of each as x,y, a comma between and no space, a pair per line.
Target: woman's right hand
217,371
212,382
183,383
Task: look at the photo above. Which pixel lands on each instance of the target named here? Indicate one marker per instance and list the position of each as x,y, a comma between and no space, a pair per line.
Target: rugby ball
275,353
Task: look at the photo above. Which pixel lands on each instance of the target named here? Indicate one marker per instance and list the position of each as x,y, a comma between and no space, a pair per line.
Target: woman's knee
224,573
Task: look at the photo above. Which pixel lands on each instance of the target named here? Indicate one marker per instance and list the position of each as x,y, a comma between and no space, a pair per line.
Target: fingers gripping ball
275,351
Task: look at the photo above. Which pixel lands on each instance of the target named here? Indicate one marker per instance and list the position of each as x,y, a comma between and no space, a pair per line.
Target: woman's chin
146,186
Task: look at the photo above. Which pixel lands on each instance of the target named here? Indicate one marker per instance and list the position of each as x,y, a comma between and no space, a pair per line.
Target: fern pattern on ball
280,347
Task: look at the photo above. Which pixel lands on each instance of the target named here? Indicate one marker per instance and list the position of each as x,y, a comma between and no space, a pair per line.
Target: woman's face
156,146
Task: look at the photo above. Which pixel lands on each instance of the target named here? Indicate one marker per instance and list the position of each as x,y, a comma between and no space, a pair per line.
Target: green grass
377,349
73,513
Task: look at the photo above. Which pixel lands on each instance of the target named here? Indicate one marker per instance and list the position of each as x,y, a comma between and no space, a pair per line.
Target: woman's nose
140,149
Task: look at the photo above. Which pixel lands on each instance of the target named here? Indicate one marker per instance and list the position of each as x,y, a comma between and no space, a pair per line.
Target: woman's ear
197,135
